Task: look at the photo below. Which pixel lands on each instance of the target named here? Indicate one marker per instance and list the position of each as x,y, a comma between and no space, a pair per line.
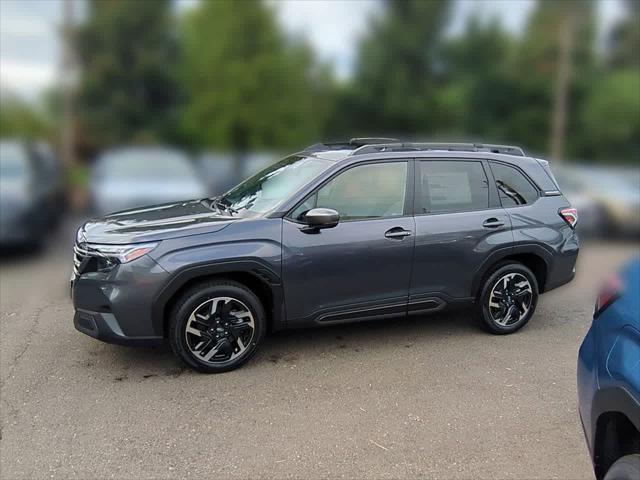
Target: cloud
331,27
25,79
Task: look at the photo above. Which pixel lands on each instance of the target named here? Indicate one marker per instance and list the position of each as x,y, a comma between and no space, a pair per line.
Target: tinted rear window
514,188
451,186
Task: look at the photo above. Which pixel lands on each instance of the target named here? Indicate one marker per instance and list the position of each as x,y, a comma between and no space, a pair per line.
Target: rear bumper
563,269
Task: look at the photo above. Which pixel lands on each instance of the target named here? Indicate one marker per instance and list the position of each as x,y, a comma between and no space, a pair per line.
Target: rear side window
451,186
513,186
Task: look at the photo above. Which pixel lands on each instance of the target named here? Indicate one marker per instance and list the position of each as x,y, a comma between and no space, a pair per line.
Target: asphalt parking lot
427,397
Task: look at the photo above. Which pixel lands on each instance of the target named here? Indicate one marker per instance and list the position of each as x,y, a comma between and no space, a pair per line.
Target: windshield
13,161
270,187
152,164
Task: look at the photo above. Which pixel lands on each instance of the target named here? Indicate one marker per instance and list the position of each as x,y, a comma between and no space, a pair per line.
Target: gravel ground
426,397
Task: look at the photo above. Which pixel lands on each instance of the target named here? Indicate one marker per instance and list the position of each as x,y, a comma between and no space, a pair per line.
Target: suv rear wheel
508,298
217,326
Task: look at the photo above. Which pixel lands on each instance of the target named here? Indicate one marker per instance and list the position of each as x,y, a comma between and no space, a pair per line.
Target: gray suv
369,229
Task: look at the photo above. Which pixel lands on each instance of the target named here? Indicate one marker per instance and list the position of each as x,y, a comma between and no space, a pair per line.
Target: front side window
452,186
363,192
513,186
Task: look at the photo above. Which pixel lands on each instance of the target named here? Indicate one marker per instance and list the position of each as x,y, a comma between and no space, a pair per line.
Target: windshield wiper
227,208
218,204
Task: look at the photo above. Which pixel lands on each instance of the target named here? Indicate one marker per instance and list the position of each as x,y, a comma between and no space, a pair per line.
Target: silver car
140,176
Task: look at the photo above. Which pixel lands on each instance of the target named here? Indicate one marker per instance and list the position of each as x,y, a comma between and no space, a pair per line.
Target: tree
127,53
624,39
611,118
540,69
396,75
248,86
23,120
480,90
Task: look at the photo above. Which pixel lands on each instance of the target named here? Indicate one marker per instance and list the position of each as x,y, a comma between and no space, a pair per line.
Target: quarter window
513,186
450,186
363,192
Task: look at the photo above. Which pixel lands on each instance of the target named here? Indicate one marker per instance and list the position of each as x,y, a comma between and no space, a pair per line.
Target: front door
361,268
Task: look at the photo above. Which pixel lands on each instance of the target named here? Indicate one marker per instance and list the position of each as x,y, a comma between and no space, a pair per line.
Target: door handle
492,223
397,233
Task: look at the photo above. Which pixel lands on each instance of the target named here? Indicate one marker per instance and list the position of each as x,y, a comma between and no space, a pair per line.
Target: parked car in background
222,171
593,217
609,378
54,173
368,229
133,177
31,193
608,198
255,162
218,171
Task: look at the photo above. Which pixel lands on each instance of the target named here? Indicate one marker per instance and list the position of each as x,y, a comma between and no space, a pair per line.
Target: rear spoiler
547,169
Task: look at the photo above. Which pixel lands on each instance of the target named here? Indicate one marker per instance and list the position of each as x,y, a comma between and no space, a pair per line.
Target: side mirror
318,218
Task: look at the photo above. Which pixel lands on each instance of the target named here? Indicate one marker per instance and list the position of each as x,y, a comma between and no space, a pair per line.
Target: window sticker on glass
449,187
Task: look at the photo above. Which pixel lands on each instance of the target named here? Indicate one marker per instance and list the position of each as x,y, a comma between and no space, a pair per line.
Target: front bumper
105,327
116,306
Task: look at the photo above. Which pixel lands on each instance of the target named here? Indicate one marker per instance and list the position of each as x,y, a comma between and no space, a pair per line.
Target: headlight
123,253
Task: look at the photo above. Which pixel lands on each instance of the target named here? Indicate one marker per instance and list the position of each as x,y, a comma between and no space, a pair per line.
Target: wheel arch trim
260,271
505,252
611,400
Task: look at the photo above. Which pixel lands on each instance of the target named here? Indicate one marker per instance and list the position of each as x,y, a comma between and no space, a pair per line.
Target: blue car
609,378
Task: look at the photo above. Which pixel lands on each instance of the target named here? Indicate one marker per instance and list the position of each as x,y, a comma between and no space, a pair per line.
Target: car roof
360,150
368,148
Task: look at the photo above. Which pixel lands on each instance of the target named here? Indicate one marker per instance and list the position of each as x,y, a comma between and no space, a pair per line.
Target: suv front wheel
508,298
216,326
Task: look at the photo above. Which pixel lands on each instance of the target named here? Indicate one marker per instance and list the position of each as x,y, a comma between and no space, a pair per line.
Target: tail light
569,215
609,293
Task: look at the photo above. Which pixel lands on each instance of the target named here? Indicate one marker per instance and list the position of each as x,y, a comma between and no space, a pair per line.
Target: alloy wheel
219,330
510,299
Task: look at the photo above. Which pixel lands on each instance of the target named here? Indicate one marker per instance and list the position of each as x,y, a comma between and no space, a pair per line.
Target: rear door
459,221
361,268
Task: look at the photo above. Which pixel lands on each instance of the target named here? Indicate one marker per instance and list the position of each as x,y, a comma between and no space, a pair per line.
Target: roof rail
350,145
452,147
323,146
362,141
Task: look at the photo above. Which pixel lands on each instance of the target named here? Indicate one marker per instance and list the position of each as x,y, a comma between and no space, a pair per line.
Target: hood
154,223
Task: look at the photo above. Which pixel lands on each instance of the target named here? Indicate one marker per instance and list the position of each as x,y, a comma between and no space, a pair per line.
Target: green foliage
395,79
226,76
624,39
480,91
536,62
128,52
78,176
611,118
23,120
248,87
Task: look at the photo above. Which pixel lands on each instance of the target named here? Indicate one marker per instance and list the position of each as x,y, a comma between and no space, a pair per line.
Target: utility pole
67,74
561,87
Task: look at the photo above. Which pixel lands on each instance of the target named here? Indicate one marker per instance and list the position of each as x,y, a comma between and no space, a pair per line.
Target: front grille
80,254
87,259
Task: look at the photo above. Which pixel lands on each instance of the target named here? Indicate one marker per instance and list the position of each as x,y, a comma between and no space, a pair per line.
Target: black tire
496,275
626,468
197,296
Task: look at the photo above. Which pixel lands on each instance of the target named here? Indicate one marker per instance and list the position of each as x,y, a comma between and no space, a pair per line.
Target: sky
30,46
